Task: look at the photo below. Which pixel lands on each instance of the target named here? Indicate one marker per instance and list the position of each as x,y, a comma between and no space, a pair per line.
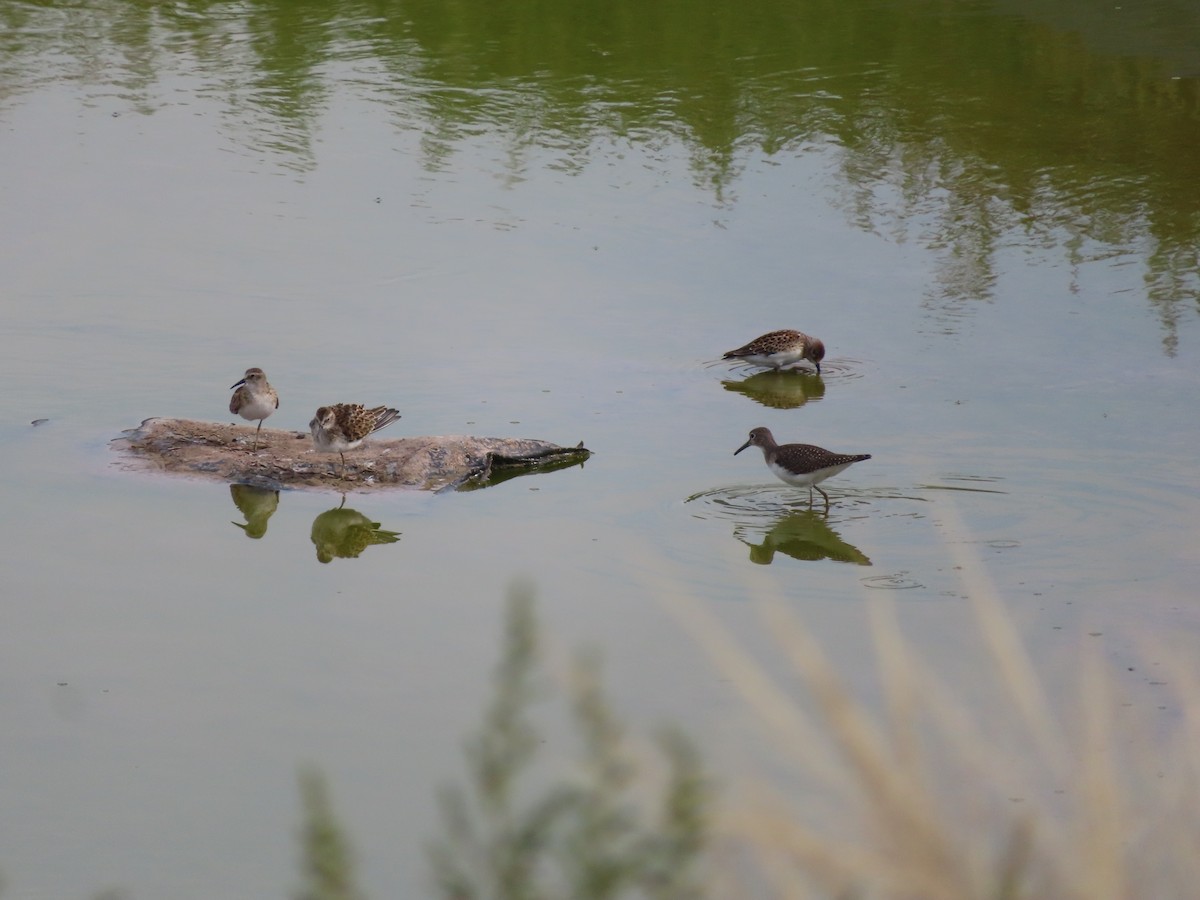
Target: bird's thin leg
825,495
343,456
256,431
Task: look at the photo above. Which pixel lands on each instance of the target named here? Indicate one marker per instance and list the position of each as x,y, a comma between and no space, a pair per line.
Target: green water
550,220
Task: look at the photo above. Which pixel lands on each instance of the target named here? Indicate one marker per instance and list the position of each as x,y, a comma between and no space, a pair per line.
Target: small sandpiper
253,399
777,349
344,426
801,465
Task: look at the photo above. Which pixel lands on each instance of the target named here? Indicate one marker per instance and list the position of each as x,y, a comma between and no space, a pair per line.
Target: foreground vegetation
588,836
924,797
931,799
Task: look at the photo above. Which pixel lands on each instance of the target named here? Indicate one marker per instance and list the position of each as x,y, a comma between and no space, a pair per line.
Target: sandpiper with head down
344,426
253,399
801,465
777,349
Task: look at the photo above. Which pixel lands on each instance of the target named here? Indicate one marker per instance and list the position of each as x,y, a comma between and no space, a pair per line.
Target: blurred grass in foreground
589,836
923,797
586,837
987,788
327,862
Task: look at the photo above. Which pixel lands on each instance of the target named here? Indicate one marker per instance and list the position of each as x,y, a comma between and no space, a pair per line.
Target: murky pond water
552,224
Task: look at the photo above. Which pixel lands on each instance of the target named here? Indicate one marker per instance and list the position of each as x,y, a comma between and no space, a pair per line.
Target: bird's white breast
256,406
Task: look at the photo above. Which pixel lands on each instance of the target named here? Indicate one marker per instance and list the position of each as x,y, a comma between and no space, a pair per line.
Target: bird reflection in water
257,505
779,390
803,535
345,533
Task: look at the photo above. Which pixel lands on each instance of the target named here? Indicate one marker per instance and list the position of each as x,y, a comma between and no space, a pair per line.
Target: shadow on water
966,131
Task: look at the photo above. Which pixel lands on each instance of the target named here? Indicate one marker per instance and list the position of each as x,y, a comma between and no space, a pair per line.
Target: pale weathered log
286,459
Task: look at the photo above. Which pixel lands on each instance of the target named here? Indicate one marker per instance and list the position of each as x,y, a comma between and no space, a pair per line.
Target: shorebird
777,349
253,399
801,465
344,426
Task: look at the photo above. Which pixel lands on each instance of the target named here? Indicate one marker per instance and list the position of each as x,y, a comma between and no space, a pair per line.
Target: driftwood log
286,459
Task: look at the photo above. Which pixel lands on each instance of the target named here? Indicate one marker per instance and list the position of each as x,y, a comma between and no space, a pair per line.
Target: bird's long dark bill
741,448
239,384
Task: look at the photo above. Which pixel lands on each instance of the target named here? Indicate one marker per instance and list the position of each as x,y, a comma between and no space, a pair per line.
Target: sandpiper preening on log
344,426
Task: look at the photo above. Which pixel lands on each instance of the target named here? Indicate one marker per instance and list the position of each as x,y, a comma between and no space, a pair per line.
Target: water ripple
747,504
900,581
831,369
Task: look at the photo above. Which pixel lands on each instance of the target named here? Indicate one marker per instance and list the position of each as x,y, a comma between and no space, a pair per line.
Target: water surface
550,222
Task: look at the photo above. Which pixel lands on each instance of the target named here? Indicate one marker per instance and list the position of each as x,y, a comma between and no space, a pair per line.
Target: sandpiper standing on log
777,349
344,426
801,465
253,399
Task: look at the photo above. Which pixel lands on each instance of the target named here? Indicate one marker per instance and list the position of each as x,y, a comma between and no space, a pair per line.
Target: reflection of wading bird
777,349
803,535
778,390
801,465
257,505
253,399
345,533
344,426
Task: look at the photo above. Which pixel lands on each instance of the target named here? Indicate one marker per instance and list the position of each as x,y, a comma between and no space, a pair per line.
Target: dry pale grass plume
929,796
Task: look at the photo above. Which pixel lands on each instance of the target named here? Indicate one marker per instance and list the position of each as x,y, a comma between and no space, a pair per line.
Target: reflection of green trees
994,126
958,129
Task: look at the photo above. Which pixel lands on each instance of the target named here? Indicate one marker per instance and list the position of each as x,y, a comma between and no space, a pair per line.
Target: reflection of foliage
991,130
586,838
963,130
